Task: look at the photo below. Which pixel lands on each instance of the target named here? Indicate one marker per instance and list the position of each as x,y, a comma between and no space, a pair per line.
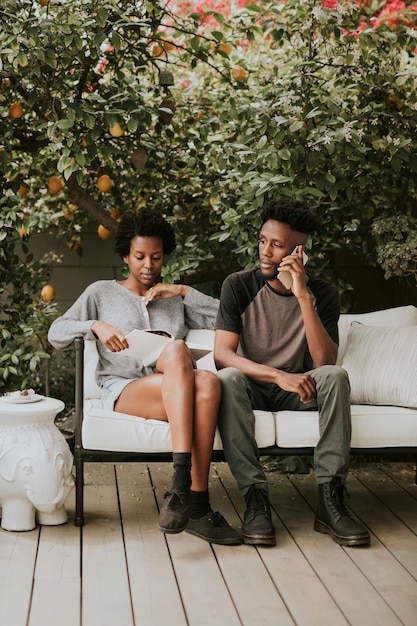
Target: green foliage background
325,112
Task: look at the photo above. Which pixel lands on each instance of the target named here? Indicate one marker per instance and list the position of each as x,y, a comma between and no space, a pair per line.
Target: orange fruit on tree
16,110
168,45
74,243
103,232
44,3
104,183
238,72
225,47
23,190
116,130
47,293
69,211
115,213
54,184
157,50
23,232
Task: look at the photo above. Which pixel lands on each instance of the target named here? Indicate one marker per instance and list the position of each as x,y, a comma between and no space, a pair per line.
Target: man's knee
235,404
231,377
332,376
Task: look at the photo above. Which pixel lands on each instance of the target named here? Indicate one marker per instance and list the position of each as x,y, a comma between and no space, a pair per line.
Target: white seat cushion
372,427
112,431
264,428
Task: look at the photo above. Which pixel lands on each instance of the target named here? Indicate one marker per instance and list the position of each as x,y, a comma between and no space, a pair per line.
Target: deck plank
290,572
324,571
18,553
376,566
105,587
205,597
57,587
155,594
133,575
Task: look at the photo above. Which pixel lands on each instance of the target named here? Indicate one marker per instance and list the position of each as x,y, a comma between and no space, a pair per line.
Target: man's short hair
296,214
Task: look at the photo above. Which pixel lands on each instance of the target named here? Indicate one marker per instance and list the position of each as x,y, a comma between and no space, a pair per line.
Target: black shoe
257,527
174,514
333,518
213,528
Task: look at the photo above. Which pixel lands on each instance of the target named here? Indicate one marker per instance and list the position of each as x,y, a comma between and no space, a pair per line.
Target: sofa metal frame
83,455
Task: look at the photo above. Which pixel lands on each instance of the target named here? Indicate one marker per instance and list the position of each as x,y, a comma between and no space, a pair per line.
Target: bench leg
79,489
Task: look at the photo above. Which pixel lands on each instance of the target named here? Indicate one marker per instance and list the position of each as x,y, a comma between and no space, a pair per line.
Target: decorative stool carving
35,465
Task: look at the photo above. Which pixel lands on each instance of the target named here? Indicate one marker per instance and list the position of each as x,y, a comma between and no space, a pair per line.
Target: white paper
147,346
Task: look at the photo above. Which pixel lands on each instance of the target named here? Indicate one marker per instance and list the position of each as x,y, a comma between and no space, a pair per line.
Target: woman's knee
207,386
176,353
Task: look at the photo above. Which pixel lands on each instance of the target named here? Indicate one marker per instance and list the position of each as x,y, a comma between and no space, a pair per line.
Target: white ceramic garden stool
35,465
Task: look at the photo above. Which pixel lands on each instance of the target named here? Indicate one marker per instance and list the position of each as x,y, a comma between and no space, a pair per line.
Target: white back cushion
397,316
382,365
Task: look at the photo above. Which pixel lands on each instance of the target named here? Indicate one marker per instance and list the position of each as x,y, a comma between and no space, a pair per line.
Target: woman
174,390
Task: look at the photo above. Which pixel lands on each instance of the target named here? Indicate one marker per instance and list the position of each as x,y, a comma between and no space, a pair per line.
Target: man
276,348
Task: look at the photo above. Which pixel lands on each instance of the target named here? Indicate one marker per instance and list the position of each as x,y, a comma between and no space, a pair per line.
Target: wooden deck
120,570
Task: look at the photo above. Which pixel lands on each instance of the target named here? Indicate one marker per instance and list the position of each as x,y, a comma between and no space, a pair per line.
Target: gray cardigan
108,301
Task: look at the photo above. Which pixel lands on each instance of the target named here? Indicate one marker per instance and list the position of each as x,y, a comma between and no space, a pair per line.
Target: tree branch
84,201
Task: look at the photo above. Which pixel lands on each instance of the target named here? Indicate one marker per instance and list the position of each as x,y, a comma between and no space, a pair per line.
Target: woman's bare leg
177,389
207,399
167,395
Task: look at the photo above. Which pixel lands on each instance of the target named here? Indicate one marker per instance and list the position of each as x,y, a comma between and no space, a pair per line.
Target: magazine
147,345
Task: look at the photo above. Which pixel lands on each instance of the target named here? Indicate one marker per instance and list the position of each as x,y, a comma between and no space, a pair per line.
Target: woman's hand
112,338
164,290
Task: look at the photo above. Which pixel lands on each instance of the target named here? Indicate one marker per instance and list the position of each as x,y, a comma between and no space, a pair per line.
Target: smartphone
285,277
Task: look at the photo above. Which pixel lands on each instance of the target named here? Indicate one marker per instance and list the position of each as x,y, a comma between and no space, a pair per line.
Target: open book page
147,345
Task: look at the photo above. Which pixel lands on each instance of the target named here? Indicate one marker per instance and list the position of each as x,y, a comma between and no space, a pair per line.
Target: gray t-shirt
269,324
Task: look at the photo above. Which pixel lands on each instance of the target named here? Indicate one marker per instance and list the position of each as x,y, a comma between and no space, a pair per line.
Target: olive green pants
241,395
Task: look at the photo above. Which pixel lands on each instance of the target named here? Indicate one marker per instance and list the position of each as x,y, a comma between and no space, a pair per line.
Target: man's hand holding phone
284,275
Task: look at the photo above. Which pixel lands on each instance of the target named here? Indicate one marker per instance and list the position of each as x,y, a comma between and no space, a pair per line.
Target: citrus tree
204,109
326,112
101,114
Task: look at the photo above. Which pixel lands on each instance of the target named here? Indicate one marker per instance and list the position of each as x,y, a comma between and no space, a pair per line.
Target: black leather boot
257,527
333,518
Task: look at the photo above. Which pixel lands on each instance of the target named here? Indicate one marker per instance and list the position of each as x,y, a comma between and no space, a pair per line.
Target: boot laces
257,502
337,503
174,500
217,519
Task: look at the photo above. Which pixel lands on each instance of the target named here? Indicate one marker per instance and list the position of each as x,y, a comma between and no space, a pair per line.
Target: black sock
181,480
199,504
